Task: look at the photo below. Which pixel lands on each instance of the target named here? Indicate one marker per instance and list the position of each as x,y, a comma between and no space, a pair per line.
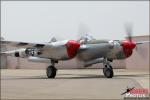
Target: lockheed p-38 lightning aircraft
87,50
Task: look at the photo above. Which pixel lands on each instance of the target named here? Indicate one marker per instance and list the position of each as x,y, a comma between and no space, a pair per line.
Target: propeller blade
84,34
129,32
83,30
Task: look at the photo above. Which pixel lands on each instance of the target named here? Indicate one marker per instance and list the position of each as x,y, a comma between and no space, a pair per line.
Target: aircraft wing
60,50
142,42
23,44
22,50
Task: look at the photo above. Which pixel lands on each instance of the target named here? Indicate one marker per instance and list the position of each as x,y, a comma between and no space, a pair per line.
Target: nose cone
72,48
128,47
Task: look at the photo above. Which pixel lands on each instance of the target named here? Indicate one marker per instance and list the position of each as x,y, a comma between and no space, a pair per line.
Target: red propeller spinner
128,47
72,48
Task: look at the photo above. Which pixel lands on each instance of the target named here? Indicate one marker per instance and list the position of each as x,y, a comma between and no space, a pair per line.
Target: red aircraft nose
72,47
128,46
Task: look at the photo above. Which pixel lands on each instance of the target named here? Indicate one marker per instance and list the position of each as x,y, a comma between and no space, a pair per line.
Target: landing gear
108,70
51,71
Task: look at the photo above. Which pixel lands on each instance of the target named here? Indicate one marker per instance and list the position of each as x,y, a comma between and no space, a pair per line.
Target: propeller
74,45
129,31
129,44
82,30
84,34
82,37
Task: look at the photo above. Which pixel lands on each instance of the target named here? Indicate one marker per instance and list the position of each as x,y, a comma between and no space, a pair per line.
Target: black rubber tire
51,72
106,68
108,72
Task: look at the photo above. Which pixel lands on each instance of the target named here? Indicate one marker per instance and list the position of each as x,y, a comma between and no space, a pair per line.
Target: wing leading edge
23,44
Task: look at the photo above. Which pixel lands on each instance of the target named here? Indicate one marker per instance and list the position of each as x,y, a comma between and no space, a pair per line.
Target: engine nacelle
20,53
26,52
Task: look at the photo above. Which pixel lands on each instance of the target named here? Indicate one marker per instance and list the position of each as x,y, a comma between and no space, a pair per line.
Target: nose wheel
108,70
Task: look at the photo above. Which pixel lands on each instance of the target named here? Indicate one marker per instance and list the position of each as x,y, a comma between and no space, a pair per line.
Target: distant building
3,62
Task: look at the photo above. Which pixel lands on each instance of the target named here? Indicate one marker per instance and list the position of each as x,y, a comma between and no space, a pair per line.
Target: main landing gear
51,70
108,70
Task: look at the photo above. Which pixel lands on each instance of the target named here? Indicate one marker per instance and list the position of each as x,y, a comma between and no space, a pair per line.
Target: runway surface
69,84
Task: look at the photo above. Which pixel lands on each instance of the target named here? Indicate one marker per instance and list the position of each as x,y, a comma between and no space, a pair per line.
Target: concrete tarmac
69,84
